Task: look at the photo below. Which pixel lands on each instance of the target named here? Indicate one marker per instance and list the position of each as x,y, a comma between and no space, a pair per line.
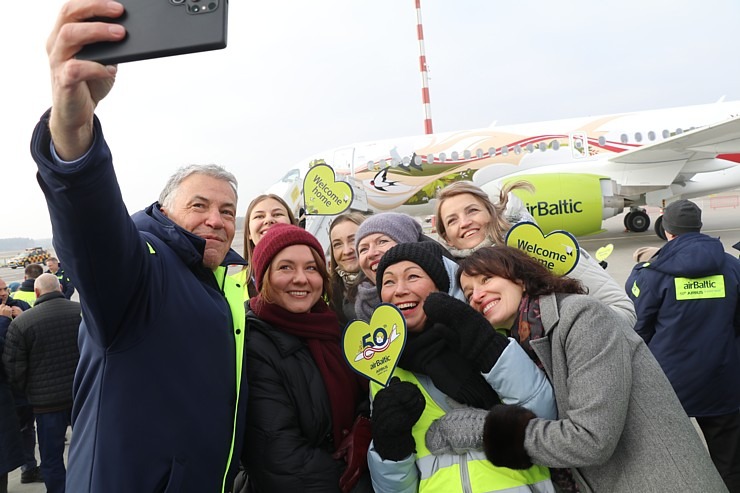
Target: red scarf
319,329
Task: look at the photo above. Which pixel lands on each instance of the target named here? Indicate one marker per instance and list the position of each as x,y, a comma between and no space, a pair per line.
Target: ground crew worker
686,298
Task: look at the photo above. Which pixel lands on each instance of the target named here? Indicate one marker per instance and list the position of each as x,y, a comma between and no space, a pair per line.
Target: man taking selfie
159,388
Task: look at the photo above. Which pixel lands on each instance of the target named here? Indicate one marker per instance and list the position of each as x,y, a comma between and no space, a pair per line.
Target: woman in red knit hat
303,397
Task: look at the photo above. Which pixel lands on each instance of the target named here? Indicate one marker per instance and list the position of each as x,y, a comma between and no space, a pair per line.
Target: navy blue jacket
155,389
686,300
68,289
5,321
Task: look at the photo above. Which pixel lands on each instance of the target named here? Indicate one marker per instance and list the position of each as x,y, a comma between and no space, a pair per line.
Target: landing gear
637,221
659,228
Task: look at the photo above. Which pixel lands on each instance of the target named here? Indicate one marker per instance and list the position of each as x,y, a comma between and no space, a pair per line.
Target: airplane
584,170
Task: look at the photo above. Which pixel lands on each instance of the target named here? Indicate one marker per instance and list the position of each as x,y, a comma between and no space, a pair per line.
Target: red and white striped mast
424,77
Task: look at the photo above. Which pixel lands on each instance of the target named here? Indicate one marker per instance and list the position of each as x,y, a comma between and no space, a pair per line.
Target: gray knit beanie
401,228
425,254
682,216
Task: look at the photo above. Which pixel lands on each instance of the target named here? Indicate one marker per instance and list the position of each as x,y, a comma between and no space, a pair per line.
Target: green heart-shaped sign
373,349
558,250
323,195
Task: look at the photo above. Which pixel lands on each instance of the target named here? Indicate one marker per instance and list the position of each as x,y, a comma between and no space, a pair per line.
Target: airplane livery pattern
584,169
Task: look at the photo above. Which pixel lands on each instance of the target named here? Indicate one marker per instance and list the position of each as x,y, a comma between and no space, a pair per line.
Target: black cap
682,216
426,254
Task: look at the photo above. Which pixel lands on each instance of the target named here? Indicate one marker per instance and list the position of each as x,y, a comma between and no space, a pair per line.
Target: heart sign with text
558,250
373,349
323,195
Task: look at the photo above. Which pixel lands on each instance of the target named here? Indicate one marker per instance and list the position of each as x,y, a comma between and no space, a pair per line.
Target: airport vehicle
35,255
584,170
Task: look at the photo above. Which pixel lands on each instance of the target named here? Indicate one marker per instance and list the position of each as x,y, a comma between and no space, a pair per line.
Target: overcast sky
300,76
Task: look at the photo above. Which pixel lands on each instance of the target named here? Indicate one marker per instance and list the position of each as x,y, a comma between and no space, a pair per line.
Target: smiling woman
620,427
303,397
344,267
263,212
451,356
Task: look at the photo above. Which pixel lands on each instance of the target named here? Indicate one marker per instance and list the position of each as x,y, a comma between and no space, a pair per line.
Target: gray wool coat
621,427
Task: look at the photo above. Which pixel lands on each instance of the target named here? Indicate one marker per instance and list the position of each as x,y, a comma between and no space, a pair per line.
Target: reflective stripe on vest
700,288
233,293
470,472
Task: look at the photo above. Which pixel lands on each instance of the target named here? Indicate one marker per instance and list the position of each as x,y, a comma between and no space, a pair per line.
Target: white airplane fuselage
629,159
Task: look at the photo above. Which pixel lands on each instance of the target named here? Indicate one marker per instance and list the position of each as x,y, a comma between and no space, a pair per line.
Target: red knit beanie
278,237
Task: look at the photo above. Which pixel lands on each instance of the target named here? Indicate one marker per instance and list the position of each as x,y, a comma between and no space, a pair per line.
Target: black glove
472,335
396,409
503,436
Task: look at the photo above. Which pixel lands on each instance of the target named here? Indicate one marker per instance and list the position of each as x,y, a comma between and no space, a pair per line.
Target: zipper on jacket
465,474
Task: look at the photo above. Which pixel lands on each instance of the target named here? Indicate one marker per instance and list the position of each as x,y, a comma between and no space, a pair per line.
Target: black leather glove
396,409
503,436
471,335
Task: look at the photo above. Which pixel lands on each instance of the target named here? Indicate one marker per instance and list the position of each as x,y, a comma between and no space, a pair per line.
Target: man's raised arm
78,85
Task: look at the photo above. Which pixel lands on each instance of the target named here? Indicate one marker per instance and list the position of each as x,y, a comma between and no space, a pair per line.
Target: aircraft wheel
637,221
627,220
659,228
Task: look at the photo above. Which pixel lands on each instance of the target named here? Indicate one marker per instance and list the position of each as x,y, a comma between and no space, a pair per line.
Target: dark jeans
28,435
722,434
52,428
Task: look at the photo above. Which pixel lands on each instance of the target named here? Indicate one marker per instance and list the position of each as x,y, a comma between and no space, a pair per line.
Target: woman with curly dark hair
620,426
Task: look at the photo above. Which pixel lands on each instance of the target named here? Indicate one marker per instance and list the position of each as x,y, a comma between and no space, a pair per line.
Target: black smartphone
161,28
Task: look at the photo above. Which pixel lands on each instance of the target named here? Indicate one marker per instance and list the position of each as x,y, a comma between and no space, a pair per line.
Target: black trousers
722,434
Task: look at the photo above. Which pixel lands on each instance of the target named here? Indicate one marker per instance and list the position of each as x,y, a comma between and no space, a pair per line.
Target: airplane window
406,160
455,156
578,143
555,144
530,148
430,158
638,137
479,153
602,140
492,151
679,131
466,154
624,138
542,146
666,134
442,157
417,160
292,175
651,135
517,149
504,150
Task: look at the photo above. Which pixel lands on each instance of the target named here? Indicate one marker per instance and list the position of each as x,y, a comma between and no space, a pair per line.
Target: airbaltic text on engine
565,206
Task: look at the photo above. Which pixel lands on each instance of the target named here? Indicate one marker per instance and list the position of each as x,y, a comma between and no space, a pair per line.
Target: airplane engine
576,203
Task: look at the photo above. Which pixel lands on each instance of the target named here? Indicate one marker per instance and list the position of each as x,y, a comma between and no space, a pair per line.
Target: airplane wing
690,152
707,141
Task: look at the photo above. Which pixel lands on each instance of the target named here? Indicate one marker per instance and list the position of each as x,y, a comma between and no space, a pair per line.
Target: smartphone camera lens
194,9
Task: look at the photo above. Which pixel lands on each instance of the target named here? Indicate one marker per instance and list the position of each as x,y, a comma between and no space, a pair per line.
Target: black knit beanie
425,254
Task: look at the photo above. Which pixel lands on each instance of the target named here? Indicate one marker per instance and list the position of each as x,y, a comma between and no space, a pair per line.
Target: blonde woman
263,212
468,220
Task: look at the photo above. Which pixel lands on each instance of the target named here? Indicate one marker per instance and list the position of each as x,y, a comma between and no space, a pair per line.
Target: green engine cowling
572,202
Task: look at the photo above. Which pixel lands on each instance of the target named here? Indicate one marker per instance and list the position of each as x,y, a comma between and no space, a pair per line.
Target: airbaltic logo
564,206
700,288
